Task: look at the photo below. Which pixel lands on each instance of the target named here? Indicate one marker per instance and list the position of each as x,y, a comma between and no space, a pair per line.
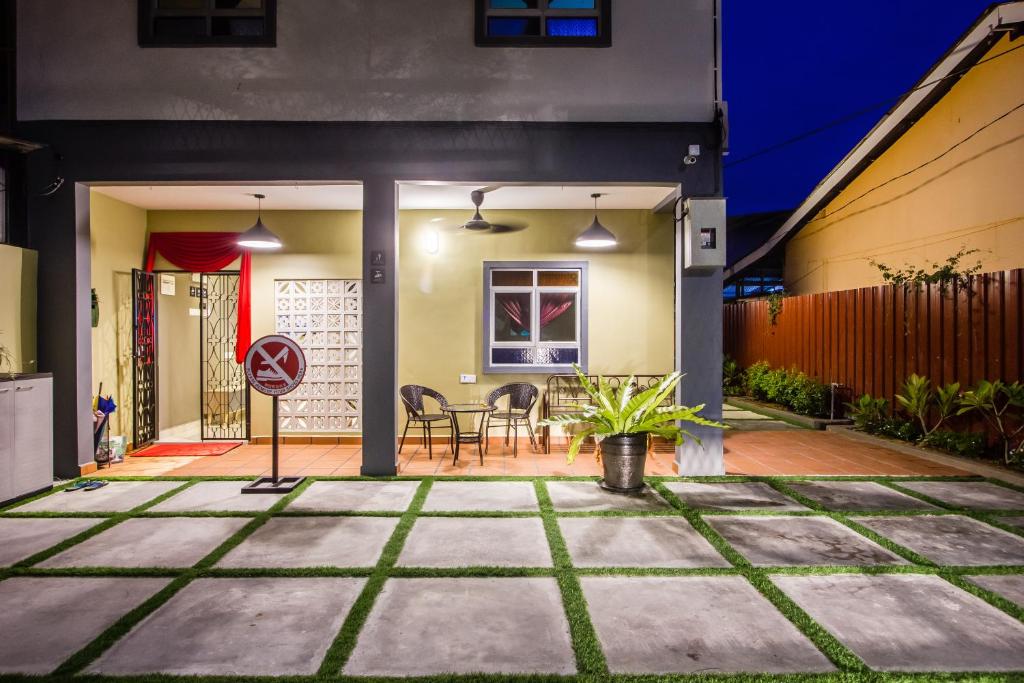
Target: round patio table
476,436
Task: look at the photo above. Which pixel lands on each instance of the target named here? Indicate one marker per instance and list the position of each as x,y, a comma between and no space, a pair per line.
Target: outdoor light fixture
596,236
259,236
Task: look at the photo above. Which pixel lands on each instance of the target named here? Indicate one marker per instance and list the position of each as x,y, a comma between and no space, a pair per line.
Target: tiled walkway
437,577
771,453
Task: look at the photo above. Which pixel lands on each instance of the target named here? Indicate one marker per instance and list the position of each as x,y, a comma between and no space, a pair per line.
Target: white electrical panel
704,234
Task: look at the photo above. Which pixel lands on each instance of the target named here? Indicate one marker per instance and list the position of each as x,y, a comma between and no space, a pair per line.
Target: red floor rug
178,449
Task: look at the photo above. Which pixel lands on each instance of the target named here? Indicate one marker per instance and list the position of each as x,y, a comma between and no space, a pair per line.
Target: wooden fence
871,339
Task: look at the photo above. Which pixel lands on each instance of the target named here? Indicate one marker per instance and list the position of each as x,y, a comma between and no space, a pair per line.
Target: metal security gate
144,391
224,401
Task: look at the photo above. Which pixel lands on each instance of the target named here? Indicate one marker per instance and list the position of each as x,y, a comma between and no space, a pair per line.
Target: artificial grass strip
693,516
345,641
960,581
590,659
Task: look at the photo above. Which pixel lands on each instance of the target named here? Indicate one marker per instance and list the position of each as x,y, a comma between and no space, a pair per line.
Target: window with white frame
535,316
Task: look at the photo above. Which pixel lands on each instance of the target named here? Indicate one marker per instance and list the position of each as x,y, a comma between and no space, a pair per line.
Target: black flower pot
623,457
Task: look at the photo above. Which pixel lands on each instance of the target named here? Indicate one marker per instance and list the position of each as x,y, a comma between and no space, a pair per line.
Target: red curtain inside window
207,252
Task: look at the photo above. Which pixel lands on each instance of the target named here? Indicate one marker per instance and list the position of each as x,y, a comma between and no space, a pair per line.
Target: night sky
795,65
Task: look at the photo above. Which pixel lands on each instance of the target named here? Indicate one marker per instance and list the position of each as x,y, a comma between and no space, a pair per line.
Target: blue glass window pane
540,356
572,27
513,26
572,4
513,4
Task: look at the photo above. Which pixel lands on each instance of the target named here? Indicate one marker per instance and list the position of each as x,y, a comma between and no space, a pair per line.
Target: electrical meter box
704,234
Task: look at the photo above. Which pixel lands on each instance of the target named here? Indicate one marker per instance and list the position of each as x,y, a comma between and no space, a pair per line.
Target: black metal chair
521,399
412,400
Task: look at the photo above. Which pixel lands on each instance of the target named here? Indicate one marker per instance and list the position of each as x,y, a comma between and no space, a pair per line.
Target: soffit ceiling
412,196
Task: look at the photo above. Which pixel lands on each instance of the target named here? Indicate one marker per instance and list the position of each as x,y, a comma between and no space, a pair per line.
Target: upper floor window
199,23
535,316
543,23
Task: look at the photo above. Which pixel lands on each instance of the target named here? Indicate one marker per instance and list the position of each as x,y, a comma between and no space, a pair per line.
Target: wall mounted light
596,236
259,236
432,242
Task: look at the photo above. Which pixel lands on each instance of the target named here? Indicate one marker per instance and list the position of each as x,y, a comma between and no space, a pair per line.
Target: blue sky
794,65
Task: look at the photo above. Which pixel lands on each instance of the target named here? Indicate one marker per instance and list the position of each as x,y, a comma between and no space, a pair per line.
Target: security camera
690,159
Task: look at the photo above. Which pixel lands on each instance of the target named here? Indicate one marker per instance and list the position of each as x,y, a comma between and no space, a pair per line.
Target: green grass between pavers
589,655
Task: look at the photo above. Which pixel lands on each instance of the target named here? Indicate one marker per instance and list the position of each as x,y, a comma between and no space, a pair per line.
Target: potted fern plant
623,421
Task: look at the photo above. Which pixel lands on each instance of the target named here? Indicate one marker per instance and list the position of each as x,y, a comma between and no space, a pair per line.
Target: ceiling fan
478,224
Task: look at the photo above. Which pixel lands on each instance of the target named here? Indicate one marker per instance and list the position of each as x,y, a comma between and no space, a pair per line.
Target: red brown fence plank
871,339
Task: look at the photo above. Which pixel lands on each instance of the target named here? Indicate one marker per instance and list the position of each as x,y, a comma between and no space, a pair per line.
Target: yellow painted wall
117,239
971,197
441,295
317,244
18,282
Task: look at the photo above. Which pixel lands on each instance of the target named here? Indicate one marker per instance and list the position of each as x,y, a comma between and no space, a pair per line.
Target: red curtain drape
555,305
206,252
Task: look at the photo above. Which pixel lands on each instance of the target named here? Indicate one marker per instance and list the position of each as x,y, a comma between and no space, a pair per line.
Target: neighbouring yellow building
942,172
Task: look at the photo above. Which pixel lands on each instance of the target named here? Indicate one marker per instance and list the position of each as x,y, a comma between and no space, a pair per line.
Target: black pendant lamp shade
596,236
259,236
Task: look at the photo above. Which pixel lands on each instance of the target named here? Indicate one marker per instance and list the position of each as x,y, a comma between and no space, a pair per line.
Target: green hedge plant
1002,407
921,403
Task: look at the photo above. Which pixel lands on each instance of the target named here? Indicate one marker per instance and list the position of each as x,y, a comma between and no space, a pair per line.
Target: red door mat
178,449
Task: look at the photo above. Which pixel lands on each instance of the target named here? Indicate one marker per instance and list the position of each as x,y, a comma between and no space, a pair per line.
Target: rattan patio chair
412,400
521,399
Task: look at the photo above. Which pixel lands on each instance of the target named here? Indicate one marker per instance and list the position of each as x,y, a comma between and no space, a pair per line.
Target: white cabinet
6,440
26,435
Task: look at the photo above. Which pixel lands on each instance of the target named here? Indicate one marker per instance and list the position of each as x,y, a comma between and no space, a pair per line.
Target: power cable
867,110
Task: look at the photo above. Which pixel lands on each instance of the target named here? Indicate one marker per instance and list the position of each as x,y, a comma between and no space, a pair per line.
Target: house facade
374,94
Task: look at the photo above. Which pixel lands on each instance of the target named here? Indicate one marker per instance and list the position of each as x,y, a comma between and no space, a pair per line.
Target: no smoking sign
275,365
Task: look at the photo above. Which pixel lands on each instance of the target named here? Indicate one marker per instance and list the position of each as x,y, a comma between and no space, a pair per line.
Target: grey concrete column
60,232
380,326
699,355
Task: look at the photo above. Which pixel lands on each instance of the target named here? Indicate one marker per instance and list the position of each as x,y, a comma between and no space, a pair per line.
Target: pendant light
596,236
259,236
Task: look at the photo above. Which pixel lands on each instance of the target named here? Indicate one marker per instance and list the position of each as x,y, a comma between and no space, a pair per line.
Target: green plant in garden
612,413
775,300
941,273
756,375
868,412
733,379
966,444
1002,407
918,399
790,388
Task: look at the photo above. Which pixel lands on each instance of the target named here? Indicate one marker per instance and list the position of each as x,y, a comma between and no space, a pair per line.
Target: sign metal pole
274,451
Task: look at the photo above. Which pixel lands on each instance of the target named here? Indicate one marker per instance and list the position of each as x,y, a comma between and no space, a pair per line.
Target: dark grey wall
377,154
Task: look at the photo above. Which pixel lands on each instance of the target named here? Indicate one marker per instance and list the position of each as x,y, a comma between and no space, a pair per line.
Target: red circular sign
274,365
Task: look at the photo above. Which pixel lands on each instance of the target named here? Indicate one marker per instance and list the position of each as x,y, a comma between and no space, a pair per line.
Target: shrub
733,377
756,375
967,444
1002,406
789,388
808,397
897,428
868,412
918,401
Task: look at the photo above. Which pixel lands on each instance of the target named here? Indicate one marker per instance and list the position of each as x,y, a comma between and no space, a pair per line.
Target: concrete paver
910,622
951,539
973,495
357,496
476,542
637,542
24,537
691,624
858,496
313,542
116,496
237,627
216,496
587,496
800,541
733,496
422,627
481,496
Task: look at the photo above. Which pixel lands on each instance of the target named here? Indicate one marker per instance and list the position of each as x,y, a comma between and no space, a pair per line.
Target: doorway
187,386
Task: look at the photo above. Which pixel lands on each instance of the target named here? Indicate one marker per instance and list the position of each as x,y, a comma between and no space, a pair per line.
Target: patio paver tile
25,537
358,496
721,624
637,542
951,539
858,496
150,542
116,496
907,622
431,626
215,496
1010,587
476,542
313,542
46,620
732,496
240,627
587,496
465,496
800,541
974,495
